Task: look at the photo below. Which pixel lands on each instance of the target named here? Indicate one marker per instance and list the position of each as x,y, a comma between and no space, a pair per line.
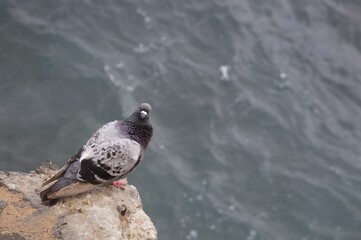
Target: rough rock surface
104,213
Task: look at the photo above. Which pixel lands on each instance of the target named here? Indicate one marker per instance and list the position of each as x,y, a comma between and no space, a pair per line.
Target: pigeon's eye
143,114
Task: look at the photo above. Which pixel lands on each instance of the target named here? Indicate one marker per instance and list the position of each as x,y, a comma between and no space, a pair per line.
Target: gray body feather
109,155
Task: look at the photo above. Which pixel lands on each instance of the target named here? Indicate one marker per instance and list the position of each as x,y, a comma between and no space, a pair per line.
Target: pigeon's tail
67,185
46,194
64,188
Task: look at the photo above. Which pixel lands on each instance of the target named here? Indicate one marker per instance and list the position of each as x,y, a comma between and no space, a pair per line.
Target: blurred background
256,106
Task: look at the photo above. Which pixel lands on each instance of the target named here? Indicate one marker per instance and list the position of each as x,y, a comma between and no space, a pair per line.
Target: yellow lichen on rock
17,217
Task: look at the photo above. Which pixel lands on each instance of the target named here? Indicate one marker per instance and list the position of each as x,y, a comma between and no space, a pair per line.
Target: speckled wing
109,160
106,132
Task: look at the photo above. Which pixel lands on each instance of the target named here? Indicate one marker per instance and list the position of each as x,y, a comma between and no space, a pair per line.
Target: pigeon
111,154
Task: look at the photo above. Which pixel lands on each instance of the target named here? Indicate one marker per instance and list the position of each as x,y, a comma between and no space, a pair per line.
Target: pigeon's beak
143,114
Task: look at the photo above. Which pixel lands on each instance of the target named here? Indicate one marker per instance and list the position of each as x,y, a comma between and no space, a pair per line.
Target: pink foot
119,184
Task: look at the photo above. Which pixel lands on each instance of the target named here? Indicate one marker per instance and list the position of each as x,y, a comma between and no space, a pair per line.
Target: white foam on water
193,234
283,75
252,235
224,69
117,74
111,76
141,48
146,18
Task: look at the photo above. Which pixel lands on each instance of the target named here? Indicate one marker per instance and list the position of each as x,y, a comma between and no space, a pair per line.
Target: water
257,106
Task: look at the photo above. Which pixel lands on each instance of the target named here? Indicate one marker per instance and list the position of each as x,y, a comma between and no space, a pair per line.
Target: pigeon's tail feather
71,189
67,185
46,194
64,169
57,175
63,188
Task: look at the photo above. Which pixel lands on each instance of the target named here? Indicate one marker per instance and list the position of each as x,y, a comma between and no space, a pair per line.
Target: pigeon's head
141,115
144,110
138,125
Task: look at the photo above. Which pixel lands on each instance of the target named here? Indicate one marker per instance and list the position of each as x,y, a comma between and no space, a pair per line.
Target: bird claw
119,184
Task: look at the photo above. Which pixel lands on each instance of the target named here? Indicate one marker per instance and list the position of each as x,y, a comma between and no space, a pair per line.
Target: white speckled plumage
109,148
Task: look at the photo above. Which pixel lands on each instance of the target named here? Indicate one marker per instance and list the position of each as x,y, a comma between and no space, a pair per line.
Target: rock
2,206
105,213
11,236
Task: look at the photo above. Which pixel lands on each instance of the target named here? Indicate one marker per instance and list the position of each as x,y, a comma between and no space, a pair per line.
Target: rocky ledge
104,213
